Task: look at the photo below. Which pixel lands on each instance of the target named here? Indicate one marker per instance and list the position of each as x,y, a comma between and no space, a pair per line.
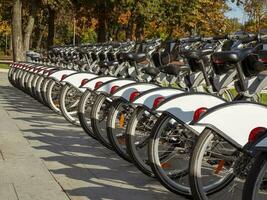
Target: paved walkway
6,61
43,157
4,70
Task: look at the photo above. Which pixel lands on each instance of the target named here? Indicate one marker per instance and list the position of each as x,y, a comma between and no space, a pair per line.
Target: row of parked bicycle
187,112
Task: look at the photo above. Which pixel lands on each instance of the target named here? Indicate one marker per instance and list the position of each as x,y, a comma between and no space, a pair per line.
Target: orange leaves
124,18
5,27
94,23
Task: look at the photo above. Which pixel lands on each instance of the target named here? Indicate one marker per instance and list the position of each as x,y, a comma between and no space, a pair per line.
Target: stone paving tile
8,192
23,175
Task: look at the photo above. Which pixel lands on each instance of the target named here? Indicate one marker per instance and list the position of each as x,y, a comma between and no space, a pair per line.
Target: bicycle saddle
107,63
65,62
231,56
198,55
82,50
138,57
174,69
152,71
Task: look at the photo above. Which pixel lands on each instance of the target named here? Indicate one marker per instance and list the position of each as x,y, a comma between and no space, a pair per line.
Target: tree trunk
30,25
102,23
10,44
28,32
39,40
129,31
17,40
51,27
139,28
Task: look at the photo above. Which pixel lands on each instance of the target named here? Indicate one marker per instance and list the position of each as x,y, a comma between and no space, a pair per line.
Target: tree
257,10
17,38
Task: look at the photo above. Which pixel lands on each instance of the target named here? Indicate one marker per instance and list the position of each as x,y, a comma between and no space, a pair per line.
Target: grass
263,96
4,66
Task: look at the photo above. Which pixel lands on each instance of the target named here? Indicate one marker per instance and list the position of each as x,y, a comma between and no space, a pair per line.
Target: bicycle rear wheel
214,164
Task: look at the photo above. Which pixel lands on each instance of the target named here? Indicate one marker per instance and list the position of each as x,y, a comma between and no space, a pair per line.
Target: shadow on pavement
82,166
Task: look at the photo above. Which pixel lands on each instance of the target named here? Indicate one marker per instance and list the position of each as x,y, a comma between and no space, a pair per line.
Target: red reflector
63,77
114,89
133,95
198,113
255,132
84,81
264,60
157,101
98,84
218,61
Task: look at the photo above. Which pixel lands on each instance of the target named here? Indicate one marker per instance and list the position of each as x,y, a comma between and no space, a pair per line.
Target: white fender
32,70
29,68
46,72
91,84
184,105
76,79
127,90
35,69
17,65
58,74
235,120
41,71
105,88
26,67
147,99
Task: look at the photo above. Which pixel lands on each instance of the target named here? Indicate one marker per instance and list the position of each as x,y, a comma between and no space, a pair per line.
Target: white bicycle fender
234,121
147,99
76,79
182,107
106,87
103,79
127,90
41,71
58,74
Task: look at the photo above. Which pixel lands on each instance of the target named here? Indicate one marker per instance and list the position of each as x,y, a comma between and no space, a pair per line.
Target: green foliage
88,36
4,66
64,35
131,19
